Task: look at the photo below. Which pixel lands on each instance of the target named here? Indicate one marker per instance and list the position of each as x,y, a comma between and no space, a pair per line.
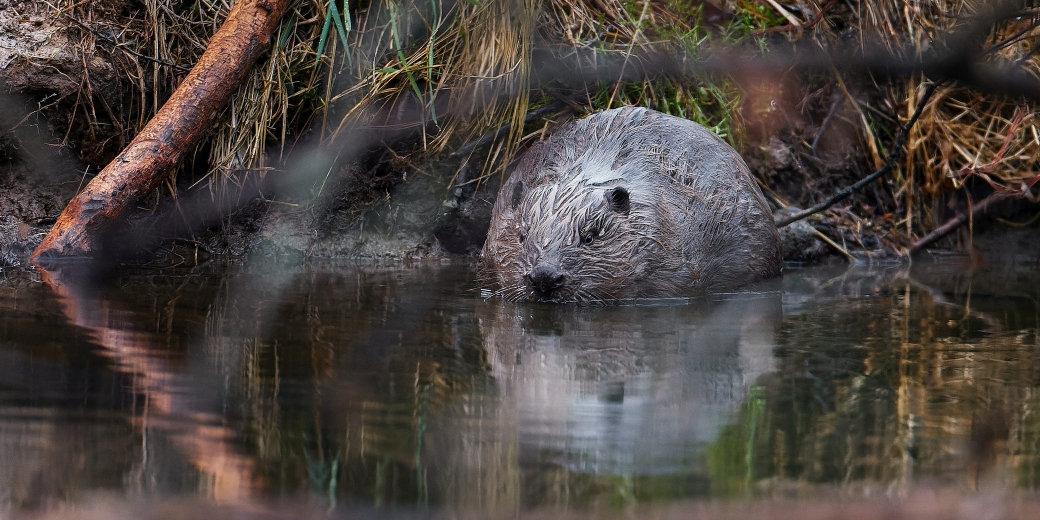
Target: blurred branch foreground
346,120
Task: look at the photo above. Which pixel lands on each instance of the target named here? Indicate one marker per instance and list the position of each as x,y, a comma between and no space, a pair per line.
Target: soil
37,179
28,206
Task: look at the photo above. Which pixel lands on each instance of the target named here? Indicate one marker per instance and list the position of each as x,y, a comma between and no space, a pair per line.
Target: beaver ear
518,195
617,200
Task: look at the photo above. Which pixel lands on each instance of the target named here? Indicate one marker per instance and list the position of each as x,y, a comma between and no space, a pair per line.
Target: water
397,388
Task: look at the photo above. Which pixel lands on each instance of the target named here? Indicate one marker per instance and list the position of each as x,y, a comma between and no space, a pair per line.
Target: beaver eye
589,237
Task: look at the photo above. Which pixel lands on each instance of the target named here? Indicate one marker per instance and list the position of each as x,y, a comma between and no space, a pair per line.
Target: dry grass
459,68
962,133
156,45
966,133
276,102
472,62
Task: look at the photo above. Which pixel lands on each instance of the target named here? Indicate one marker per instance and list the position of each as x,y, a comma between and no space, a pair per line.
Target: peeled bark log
162,144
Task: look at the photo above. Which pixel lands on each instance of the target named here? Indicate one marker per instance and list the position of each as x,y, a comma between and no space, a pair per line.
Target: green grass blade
288,31
400,54
340,29
322,40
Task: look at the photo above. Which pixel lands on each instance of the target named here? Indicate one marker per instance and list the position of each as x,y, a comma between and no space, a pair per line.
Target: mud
72,73
40,54
28,207
37,179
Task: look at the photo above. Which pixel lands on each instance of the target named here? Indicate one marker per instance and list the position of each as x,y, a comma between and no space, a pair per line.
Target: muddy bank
383,208
28,206
37,179
398,210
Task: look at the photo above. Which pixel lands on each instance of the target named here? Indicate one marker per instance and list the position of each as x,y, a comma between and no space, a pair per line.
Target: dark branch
890,162
962,219
113,43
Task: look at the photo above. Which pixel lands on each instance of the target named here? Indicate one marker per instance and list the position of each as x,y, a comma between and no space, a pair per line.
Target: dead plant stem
964,218
105,39
893,154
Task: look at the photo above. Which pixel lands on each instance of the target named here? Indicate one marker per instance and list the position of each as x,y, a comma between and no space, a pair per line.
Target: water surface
396,387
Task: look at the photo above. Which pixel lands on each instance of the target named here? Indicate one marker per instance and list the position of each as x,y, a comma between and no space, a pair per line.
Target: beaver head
573,242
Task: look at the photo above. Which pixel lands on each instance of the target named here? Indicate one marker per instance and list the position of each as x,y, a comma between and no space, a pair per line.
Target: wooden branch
203,440
162,144
890,163
960,220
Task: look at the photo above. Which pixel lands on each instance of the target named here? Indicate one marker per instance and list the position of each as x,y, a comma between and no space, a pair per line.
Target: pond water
397,388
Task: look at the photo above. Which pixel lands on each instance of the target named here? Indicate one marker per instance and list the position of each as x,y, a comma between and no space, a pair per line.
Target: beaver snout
546,279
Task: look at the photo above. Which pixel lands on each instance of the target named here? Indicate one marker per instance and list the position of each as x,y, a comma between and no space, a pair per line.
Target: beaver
628,203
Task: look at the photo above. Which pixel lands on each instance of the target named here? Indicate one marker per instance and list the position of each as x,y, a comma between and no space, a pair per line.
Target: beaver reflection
628,203
626,389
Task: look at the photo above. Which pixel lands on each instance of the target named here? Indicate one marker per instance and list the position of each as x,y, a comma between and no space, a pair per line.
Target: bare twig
964,218
1013,38
807,25
113,43
893,154
832,243
826,121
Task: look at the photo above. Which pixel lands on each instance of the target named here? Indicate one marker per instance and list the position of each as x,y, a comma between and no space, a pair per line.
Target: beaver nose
545,279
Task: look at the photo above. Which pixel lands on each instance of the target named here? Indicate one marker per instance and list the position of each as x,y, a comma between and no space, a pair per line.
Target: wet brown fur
692,220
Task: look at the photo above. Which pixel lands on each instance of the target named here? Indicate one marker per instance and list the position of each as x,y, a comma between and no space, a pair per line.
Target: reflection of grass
732,458
323,476
422,409
1025,444
622,491
912,387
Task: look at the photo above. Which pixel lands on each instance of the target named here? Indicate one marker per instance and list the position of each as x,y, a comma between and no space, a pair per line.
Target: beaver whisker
513,292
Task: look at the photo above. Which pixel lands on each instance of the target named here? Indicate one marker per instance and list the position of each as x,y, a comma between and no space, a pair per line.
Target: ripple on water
372,386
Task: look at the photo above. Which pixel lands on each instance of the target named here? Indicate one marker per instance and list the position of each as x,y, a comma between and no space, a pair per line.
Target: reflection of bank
627,390
890,377
170,405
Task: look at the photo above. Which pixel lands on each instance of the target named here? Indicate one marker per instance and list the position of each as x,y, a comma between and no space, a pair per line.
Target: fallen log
161,145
